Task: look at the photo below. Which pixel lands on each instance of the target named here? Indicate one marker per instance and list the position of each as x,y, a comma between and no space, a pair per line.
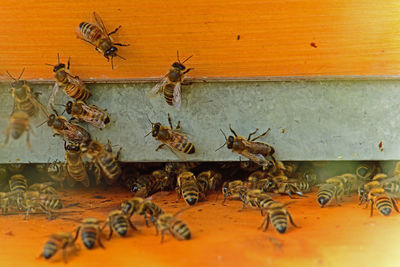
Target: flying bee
188,187
75,165
170,84
19,123
59,241
140,206
254,151
118,222
232,189
171,137
103,157
90,232
73,86
277,214
98,36
90,114
382,202
25,99
176,227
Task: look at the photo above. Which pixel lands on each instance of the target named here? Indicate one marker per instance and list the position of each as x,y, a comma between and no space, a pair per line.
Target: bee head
18,87
51,119
156,129
178,66
16,134
58,67
68,107
84,146
229,141
112,52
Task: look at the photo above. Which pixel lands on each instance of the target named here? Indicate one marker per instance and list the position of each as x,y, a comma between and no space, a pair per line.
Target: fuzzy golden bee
118,222
171,137
382,202
75,166
140,206
188,187
176,227
60,241
232,189
277,214
33,200
19,123
57,171
90,114
97,35
90,232
170,85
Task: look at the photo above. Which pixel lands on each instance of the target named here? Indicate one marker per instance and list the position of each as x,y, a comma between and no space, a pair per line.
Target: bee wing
53,95
80,35
159,86
176,100
257,158
75,80
92,119
40,105
99,22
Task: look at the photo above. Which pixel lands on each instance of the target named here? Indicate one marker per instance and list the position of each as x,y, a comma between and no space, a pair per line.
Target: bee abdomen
27,107
190,193
89,236
384,205
303,186
49,249
121,225
90,31
169,93
279,221
324,195
180,230
77,92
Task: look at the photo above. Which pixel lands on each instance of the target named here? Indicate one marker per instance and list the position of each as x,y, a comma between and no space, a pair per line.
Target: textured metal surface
310,120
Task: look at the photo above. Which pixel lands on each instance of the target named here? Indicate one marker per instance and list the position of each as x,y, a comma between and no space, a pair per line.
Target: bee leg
99,241
69,63
178,126
147,221
111,232
162,235
178,192
261,135
291,220
114,31
121,44
372,209
234,133
118,153
189,69
267,224
132,226
170,121
251,134
395,204
160,146
64,249
27,213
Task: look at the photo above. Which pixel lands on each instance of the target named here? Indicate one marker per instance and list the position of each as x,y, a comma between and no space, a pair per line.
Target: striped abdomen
51,203
77,91
94,117
19,123
18,183
76,169
203,181
182,144
152,209
90,31
265,203
110,167
303,186
325,194
392,188
25,104
279,220
180,230
56,242
169,92
89,235
384,205
190,192
120,224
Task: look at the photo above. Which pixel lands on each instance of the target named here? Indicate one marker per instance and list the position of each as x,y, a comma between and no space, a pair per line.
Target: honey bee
73,86
58,171
119,223
209,180
259,180
90,114
390,185
277,214
255,198
143,207
366,171
75,165
327,192
171,137
254,151
382,202
45,188
308,175
59,241
170,85
18,185
104,158
48,203
303,186
285,186
16,167
188,187
142,186
176,227
19,123
98,36
249,166
162,180
232,189
25,99
90,232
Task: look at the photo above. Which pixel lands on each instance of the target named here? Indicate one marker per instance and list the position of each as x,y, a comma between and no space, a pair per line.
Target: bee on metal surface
59,241
18,185
171,137
249,148
90,114
232,189
90,232
327,192
98,36
188,187
170,85
48,203
75,165
278,214
73,86
24,98
19,123
176,227
382,202
118,222
104,158
140,206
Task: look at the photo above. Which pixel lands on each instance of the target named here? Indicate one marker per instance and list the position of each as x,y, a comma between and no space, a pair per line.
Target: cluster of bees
118,221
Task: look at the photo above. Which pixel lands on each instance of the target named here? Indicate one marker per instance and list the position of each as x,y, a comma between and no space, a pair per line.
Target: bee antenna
63,112
177,55
187,59
112,63
149,120
58,58
223,133
41,124
49,64
147,134
121,57
10,75
22,72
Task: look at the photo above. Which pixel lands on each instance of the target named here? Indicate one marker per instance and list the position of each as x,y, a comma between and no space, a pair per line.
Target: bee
74,133
291,168
171,137
170,84
255,198
19,185
59,241
25,99
382,202
349,181
41,168
366,171
188,187
16,167
254,151
4,201
58,171
119,223
104,158
98,36
249,166
162,180
285,186
90,114
176,227
278,214
142,186
90,232
232,189
45,188
307,175
19,123
326,193
143,207
176,168
46,202
257,180
75,165
303,186
209,180
73,86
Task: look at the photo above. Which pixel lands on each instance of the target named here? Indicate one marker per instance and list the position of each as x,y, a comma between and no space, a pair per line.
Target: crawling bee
104,158
143,207
255,198
259,180
19,123
171,137
143,185
188,187
98,36
59,241
382,202
90,232
73,86
44,188
118,222
254,151
209,180
90,114
58,171
285,186
25,99
232,189
327,192
48,203
277,214
170,84
176,227
249,166
18,185
75,165
162,180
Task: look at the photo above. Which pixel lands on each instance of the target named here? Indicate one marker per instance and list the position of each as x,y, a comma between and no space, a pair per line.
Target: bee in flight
73,86
98,36
171,137
170,84
254,151
24,98
90,114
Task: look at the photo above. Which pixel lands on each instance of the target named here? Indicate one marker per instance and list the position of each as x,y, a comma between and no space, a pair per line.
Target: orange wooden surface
277,38
222,236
